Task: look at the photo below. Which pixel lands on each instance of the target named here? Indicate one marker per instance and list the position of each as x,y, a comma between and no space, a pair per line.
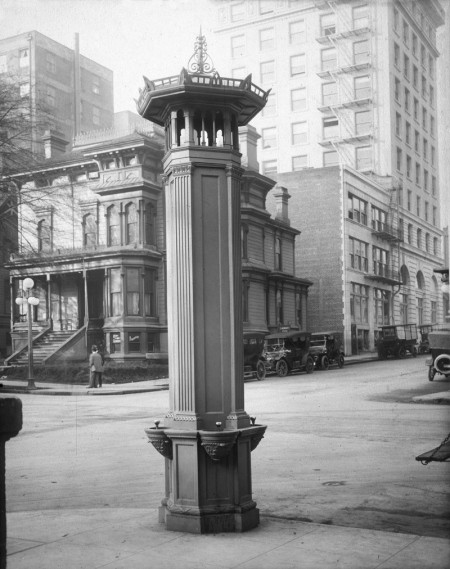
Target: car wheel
431,373
260,370
401,352
324,363
340,361
282,368
309,366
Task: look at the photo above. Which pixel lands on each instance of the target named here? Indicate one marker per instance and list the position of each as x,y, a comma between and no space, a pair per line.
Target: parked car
439,360
424,344
288,351
397,341
254,364
326,349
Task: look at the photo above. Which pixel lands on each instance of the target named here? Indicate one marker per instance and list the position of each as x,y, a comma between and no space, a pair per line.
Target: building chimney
281,201
248,139
54,143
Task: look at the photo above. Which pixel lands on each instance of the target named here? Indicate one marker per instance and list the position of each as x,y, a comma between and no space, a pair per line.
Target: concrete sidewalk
133,539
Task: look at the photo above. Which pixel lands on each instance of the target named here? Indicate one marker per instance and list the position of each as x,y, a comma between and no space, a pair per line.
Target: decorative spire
200,61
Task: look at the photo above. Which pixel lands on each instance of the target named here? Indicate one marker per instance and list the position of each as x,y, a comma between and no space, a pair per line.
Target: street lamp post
30,301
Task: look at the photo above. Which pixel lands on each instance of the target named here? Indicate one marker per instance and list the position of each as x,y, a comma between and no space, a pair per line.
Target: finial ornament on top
200,61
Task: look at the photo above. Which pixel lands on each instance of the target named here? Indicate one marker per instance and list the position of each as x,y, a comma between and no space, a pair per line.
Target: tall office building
76,92
353,95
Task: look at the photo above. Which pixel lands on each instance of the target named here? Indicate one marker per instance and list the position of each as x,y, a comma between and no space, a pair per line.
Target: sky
131,37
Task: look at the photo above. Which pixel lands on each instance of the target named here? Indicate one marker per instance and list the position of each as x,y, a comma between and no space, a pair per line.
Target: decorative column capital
182,170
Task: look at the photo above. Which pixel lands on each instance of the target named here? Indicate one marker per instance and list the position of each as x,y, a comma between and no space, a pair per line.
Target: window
131,223
432,125
152,343
409,200
50,96
298,99
266,39
406,66
435,246
408,166
363,157
405,33
299,133
270,108
329,94
330,158
330,128
434,215
96,115
244,241
423,55
3,63
433,185
362,87
425,180
278,254
238,72
237,46
398,124
267,72
44,236
357,209
433,156
420,311
396,20
328,59
150,223
396,55
359,257
414,44
134,342
410,233
113,223
417,141
96,85
269,167
427,242
299,162
433,311
397,90
416,109
425,149
424,87
399,159
379,219
419,239
407,100
363,122
431,66
298,65
24,58
415,77
269,137
404,308
237,11
417,174
279,306
266,6
381,306
150,292
133,291
115,344
116,305
89,231
328,24
360,17
432,96
418,206
24,89
408,133
380,262
297,32
361,52
50,63
359,303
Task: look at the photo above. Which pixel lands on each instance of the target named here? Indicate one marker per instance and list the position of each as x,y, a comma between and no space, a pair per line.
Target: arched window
404,275
150,218
420,280
89,231
113,222
44,236
131,223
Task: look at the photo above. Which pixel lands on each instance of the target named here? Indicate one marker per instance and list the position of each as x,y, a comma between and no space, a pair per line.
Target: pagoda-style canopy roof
200,86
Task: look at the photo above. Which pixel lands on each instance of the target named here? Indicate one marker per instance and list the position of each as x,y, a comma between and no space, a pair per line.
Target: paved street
339,450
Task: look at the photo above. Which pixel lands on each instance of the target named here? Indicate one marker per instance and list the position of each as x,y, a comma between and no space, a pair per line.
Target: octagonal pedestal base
211,523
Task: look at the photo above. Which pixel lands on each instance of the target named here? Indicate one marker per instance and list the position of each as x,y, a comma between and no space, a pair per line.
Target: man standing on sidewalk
95,368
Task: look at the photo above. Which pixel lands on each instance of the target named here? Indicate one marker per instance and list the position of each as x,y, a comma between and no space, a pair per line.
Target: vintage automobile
439,360
397,340
254,361
288,351
424,343
326,349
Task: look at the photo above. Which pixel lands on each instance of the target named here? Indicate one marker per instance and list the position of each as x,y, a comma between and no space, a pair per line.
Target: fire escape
347,94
